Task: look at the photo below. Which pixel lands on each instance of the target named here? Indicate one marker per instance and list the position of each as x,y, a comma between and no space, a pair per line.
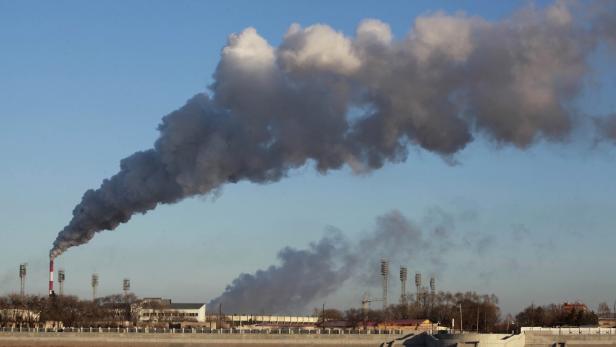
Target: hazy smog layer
312,273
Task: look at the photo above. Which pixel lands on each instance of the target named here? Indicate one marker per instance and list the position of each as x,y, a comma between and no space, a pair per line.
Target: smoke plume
607,127
330,100
304,275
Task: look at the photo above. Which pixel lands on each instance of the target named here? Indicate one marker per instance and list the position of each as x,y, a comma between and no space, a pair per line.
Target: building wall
273,319
169,314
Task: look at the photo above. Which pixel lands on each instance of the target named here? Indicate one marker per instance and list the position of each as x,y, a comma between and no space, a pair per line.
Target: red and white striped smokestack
51,277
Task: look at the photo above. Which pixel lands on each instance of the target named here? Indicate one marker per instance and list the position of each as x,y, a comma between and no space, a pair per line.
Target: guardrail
569,331
281,331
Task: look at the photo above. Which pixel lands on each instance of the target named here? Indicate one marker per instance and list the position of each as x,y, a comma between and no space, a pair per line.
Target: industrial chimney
51,293
403,277
385,275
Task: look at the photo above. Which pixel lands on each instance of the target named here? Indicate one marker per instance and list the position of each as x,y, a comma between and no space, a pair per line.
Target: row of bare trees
555,315
17,310
478,312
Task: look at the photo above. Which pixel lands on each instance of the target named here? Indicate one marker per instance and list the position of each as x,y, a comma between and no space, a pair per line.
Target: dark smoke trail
308,274
275,109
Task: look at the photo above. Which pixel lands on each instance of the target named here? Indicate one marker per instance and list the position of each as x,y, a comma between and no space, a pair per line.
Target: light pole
461,327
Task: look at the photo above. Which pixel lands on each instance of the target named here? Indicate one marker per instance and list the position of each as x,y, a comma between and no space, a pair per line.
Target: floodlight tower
403,277
94,285
432,287
418,285
126,287
22,278
385,275
432,292
61,278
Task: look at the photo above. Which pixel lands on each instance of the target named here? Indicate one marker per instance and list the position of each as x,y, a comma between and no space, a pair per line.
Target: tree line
470,311
478,312
17,310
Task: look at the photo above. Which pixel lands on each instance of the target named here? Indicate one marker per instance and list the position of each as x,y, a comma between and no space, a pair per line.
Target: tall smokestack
51,293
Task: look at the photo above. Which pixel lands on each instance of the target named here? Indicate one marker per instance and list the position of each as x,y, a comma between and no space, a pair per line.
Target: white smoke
272,109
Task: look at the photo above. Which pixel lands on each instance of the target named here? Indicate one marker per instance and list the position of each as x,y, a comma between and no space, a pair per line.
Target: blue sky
84,84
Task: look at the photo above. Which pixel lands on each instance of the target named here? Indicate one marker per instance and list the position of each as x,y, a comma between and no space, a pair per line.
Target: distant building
607,322
273,321
163,310
409,324
569,307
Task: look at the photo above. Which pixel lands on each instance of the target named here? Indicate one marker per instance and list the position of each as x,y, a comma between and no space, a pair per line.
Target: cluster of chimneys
403,279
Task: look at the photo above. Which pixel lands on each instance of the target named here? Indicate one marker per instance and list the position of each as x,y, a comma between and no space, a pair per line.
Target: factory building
163,310
243,319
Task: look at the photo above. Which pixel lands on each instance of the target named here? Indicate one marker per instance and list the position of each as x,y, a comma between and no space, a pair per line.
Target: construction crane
365,306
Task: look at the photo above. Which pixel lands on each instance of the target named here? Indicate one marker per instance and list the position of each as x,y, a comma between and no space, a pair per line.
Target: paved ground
142,340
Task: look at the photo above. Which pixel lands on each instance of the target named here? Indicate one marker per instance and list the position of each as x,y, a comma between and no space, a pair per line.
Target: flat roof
185,306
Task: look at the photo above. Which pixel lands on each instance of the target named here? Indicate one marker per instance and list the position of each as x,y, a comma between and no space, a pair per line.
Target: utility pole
220,315
477,318
323,314
461,327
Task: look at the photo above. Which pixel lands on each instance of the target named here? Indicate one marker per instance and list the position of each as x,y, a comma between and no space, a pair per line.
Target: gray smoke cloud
327,99
607,127
304,275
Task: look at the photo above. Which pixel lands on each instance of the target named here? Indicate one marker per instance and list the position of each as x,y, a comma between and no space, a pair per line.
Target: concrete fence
281,331
568,331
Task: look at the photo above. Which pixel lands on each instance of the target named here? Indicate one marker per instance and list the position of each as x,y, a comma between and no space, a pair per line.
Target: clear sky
84,84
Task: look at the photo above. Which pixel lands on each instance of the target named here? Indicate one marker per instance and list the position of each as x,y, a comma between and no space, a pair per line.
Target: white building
173,312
